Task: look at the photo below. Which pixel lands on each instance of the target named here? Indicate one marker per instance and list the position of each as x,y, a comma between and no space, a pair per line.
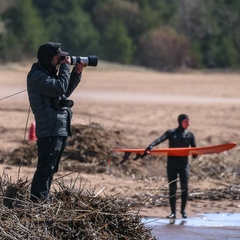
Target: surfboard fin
137,156
125,157
145,154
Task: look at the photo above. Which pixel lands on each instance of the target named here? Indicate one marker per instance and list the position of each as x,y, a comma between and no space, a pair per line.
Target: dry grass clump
71,214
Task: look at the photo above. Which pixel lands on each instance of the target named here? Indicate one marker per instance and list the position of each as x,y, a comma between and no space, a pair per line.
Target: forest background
165,35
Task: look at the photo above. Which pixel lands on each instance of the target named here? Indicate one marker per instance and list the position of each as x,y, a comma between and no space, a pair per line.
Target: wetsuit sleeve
159,140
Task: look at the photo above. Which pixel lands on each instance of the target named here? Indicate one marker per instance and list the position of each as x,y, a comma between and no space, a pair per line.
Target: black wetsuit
178,137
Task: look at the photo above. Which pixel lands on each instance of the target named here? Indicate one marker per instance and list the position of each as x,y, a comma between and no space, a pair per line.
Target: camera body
59,104
90,60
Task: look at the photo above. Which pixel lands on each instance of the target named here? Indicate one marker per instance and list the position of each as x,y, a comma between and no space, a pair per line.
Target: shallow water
209,226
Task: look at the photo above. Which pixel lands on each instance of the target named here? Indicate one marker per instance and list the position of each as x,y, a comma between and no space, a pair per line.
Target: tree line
164,34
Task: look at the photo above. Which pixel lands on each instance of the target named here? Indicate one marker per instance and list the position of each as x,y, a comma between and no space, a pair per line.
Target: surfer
179,137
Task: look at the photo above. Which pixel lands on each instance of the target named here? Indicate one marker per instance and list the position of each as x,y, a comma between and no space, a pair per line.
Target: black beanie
50,49
181,117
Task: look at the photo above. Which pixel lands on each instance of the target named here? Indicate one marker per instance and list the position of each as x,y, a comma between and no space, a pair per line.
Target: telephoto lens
90,60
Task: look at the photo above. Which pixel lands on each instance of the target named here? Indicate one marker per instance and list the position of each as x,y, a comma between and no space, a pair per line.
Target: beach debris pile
71,214
89,150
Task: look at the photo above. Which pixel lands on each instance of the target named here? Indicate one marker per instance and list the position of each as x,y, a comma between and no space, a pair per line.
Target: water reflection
221,226
183,222
202,220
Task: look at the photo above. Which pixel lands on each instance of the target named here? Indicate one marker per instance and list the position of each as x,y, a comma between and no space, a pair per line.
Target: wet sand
220,226
169,232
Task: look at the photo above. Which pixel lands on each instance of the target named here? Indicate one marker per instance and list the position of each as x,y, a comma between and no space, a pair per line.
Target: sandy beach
141,104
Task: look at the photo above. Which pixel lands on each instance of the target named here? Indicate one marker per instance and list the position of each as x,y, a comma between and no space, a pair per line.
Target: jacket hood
45,54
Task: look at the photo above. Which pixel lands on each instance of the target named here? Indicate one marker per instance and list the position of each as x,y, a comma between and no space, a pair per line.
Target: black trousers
173,170
50,150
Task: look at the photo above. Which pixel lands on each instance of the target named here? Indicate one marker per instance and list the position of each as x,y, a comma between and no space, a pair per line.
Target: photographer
49,84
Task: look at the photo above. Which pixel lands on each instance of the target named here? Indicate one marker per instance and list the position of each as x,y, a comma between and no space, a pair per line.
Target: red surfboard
178,151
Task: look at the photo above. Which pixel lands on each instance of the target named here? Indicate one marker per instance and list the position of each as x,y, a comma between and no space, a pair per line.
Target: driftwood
71,214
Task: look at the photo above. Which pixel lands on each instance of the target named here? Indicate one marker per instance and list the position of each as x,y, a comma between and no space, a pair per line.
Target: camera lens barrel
90,60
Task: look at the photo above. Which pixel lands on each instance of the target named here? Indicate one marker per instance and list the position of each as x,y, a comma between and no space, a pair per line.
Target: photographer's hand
79,67
66,60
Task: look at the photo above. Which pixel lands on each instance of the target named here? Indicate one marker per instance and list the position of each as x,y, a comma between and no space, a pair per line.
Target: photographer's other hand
79,67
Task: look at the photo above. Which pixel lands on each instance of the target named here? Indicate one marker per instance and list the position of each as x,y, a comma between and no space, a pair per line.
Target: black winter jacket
43,92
